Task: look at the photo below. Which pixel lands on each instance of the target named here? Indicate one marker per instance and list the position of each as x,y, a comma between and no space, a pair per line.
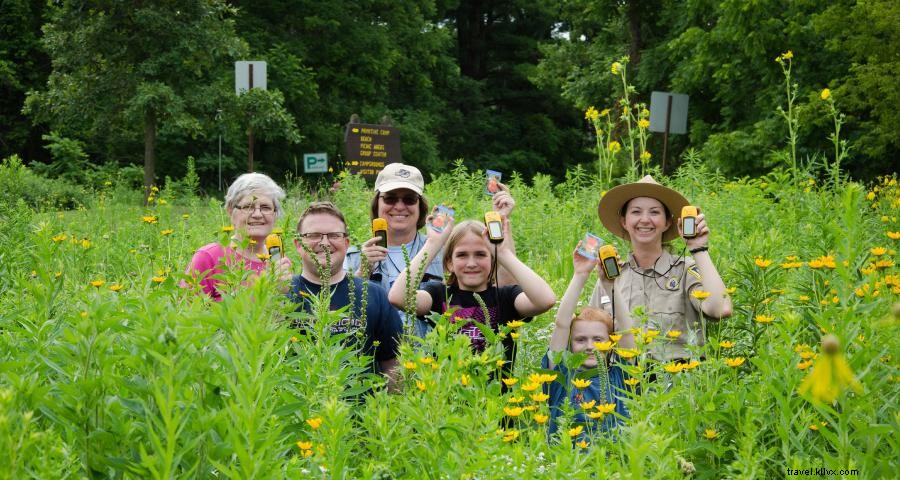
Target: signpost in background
370,147
668,114
249,75
315,163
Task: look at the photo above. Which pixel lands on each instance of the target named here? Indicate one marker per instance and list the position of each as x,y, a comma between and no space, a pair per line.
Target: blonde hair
459,231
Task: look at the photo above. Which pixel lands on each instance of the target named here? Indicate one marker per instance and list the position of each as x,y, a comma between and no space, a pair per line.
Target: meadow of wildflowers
110,370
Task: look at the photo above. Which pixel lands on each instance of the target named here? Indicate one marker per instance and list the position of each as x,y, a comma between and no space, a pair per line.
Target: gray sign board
659,104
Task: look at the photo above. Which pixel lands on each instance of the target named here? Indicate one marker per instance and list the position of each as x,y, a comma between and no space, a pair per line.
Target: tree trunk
633,14
250,149
149,152
471,33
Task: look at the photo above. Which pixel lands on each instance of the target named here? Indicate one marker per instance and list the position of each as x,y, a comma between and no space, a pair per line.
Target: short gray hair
258,183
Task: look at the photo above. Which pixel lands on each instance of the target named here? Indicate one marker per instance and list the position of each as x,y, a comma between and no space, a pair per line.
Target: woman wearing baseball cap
399,200
647,214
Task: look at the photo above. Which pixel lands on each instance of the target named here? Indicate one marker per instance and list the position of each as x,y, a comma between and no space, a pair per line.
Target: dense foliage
109,369
501,85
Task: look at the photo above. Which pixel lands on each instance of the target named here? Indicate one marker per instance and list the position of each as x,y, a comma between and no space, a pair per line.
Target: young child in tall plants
595,387
471,261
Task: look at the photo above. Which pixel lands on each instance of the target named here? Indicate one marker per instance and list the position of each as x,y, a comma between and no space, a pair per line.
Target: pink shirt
208,261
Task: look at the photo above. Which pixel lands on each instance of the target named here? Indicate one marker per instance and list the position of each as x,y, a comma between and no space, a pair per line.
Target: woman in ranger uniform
647,214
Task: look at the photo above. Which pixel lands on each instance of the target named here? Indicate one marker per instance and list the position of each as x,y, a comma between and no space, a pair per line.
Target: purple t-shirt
208,261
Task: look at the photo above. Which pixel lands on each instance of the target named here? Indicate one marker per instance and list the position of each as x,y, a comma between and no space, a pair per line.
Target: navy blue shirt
382,321
567,392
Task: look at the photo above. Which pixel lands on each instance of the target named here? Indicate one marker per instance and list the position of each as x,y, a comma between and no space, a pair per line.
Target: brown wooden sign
370,147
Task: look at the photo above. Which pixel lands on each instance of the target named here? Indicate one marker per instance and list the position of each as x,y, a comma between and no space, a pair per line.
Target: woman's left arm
718,304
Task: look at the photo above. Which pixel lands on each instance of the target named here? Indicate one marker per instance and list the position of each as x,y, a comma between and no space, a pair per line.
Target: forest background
90,90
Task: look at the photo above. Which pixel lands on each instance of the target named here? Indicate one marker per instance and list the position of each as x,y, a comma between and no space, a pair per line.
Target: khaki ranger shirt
665,292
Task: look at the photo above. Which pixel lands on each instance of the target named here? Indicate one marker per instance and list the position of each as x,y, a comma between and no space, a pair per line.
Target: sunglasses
408,199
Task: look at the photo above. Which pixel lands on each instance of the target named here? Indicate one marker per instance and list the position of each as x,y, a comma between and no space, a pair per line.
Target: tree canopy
501,85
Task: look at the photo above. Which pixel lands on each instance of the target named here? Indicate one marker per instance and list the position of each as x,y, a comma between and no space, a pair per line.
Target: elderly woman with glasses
253,203
398,199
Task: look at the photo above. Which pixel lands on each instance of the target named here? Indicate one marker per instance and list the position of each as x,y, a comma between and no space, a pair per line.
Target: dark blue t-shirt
576,396
382,321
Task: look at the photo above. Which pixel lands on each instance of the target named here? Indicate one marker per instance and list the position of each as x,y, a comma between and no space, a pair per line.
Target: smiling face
322,224
253,216
470,262
394,206
645,220
584,333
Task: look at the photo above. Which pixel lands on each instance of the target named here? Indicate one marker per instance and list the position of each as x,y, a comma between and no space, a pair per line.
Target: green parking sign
315,163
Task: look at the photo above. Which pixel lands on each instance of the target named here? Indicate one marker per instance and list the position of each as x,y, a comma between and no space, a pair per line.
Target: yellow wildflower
764,318
540,418
870,196
588,405
831,374
576,431
515,335
591,113
167,231
700,294
581,383
515,324
803,298
893,235
510,435
643,124
62,237
614,146
826,94
762,262
691,365
726,344
804,364
632,382
227,229
673,333
97,283
510,381
582,444
530,386
603,346
464,380
673,367
606,407
730,290
735,362
305,445
710,433
615,67
513,411
116,287
410,365
515,399
615,337
314,423
595,415
539,397
150,219
548,377
421,385
626,353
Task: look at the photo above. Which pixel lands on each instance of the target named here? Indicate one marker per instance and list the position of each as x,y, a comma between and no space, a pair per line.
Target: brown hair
317,208
423,209
460,230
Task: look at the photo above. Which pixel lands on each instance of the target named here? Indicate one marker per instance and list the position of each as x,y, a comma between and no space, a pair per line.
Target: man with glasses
322,243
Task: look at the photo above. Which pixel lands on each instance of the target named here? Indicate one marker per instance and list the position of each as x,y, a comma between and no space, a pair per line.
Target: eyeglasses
250,208
408,199
317,237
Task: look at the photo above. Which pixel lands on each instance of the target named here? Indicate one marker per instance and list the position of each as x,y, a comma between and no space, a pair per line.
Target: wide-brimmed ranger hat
610,207
398,175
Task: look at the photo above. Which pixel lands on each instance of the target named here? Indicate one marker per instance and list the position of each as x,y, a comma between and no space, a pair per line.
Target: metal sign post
668,114
248,75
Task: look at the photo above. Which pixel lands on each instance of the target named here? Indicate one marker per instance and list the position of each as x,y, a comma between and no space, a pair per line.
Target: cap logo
403,173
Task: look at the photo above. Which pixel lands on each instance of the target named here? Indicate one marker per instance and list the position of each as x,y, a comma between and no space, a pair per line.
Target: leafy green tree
122,70
23,67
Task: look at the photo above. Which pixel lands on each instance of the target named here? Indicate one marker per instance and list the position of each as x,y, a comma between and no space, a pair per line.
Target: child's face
584,334
471,263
